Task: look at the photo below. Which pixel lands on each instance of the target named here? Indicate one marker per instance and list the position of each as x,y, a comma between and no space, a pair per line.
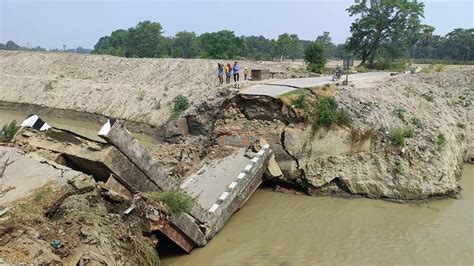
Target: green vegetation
398,168
296,98
433,68
327,114
417,123
441,141
176,200
315,57
145,252
382,23
393,65
428,96
8,131
400,134
400,113
181,103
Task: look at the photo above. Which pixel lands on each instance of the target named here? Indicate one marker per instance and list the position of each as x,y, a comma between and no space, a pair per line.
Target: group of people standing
229,71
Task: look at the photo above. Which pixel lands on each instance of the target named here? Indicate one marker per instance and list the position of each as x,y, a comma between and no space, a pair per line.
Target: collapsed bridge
221,187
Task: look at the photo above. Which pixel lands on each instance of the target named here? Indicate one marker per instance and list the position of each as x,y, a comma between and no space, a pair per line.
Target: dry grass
327,90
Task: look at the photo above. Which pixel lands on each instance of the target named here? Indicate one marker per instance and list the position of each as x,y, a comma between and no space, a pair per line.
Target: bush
315,57
441,142
8,131
177,201
399,135
328,114
394,65
181,103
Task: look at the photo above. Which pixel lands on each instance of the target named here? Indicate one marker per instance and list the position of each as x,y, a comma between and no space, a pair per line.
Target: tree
11,45
325,40
283,45
460,44
145,40
315,57
115,44
222,44
185,45
380,21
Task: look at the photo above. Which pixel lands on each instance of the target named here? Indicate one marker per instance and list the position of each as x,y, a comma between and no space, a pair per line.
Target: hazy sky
76,23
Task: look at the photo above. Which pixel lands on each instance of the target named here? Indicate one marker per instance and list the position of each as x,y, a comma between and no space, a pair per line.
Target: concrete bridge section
277,88
221,187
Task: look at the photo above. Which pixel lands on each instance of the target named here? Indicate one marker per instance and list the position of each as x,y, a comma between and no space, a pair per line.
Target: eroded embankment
406,140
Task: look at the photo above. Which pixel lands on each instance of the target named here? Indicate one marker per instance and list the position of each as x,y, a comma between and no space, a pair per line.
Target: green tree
11,45
283,45
145,40
325,40
185,45
222,44
296,47
315,57
115,44
459,44
380,21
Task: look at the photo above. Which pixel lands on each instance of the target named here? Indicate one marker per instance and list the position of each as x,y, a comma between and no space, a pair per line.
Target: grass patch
392,65
181,103
177,201
327,114
441,141
400,113
361,137
8,131
398,168
417,122
295,98
433,68
428,96
145,252
399,135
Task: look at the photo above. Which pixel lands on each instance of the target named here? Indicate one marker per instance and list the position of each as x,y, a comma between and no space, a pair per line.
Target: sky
74,23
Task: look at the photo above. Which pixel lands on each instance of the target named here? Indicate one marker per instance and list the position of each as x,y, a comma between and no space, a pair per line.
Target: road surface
209,182
279,87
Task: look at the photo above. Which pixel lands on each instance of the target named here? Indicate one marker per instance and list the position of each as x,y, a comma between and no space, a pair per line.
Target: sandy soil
140,90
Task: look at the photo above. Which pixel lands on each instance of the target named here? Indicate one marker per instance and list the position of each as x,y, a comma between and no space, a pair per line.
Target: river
280,229
87,129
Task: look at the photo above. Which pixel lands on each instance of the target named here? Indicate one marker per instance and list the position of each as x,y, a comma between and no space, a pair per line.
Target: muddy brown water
87,129
280,229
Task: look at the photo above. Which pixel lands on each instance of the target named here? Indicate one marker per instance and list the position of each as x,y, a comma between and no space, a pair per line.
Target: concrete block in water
113,132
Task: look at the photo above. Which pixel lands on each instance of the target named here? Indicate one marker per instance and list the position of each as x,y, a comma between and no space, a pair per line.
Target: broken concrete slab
114,133
213,178
21,175
238,191
91,157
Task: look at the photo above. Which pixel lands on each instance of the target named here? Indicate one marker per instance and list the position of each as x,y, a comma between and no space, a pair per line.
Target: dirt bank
364,158
138,90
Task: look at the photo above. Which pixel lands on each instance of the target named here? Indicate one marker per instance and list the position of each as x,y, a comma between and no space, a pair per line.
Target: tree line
146,40
12,46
